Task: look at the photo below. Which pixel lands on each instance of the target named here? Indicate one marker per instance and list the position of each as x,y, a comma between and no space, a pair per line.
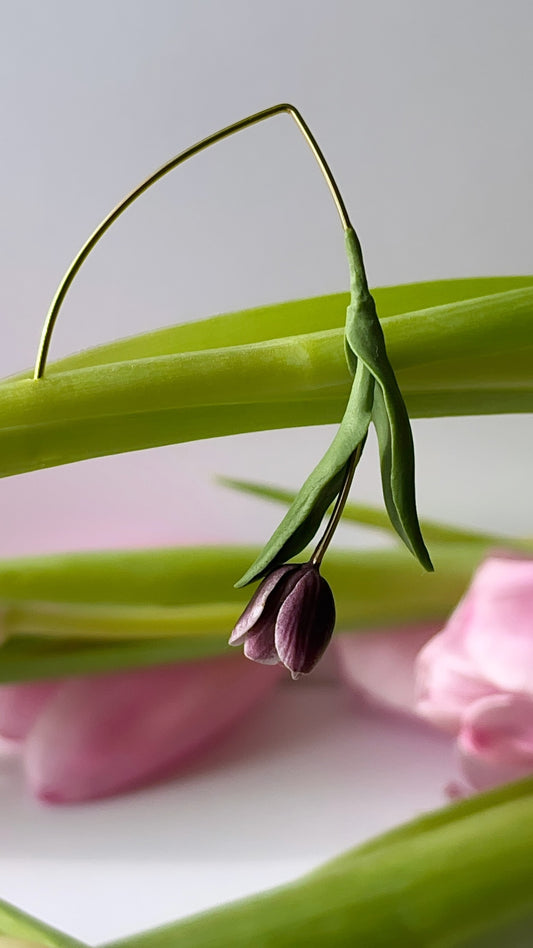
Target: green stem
438,882
14,923
462,358
89,612
340,504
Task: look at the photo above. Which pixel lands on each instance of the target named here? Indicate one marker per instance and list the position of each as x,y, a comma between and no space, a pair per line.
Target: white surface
311,774
424,111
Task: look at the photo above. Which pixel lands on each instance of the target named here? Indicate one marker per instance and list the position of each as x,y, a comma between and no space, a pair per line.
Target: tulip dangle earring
290,618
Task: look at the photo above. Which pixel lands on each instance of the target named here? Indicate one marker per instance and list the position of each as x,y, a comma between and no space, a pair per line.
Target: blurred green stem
88,612
468,357
438,882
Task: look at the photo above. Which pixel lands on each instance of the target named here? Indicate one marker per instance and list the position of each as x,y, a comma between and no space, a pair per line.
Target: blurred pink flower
476,677
85,738
473,679
380,664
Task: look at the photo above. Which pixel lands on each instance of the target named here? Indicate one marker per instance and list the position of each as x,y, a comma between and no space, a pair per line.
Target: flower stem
336,513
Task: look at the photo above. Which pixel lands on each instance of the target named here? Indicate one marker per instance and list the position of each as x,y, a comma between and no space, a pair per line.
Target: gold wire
69,276
340,503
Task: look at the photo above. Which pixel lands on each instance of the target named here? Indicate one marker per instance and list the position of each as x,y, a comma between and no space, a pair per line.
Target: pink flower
85,738
473,679
380,664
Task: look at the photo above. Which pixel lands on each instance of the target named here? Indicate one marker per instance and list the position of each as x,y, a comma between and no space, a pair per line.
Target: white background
424,112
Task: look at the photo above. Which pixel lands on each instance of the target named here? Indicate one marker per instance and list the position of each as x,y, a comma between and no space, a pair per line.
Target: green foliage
18,925
467,356
450,879
79,613
438,882
374,396
365,344
457,347
368,516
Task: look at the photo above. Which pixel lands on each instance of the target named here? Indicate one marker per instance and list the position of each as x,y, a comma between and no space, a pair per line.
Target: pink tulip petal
455,790
447,679
500,632
21,704
500,727
107,734
495,744
381,664
480,774
445,684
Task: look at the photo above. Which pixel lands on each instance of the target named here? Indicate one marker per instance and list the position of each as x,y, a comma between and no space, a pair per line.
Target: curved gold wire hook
63,287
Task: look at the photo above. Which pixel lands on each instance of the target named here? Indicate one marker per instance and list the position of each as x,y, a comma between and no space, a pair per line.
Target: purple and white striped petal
255,608
305,623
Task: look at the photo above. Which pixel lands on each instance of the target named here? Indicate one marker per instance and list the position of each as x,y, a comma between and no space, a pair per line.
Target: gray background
424,111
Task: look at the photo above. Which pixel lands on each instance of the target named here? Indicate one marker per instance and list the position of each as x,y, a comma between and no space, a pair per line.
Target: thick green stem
470,357
90,612
439,882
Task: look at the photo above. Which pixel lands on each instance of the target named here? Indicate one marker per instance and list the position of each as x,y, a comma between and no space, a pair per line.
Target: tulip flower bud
289,619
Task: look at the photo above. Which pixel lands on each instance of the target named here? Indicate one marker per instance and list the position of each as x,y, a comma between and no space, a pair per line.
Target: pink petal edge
380,664
104,735
499,635
20,705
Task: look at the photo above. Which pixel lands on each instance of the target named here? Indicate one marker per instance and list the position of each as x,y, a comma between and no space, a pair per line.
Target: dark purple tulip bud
289,619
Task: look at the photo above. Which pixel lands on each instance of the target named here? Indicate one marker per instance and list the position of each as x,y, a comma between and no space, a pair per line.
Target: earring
291,616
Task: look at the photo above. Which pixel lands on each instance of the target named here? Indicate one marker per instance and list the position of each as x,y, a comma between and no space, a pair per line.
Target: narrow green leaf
305,514
369,516
374,395
365,343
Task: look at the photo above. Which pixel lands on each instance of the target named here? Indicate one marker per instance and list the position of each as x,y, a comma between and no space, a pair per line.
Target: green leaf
305,514
469,357
440,881
17,924
374,395
118,623
79,613
365,343
369,516
460,877
278,320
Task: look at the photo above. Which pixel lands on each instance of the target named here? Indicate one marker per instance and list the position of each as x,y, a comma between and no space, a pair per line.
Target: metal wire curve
74,267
